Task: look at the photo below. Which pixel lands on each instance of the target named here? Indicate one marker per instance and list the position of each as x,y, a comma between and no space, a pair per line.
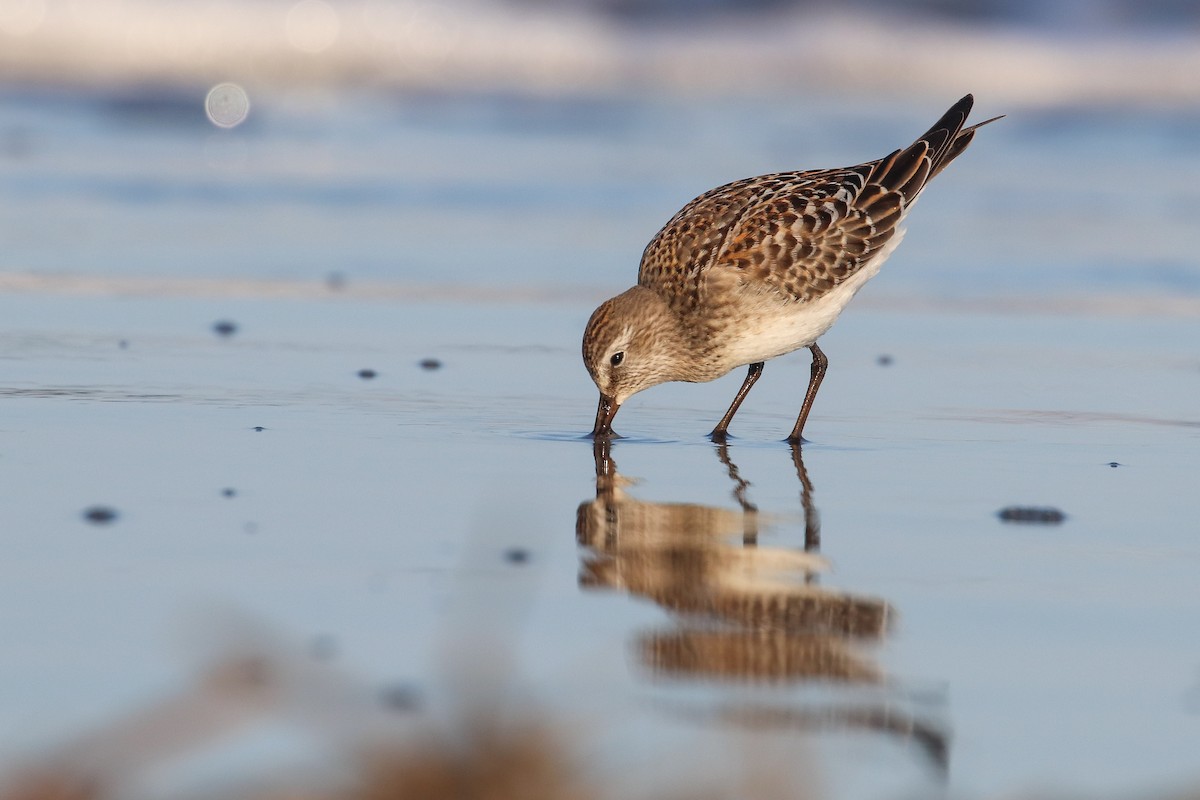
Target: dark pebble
1031,515
259,428
228,492
517,555
366,374
884,361
1114,464
430,363
400,698
225,328
100,515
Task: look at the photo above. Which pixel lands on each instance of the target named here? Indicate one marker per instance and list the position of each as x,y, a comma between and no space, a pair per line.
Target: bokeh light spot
227,105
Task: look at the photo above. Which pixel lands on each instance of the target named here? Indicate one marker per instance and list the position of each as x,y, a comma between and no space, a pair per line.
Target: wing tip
945,141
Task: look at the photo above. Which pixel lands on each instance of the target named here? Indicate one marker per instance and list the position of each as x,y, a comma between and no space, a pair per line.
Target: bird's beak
604,416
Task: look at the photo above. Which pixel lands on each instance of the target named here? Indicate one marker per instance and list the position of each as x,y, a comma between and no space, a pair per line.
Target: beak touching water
604,416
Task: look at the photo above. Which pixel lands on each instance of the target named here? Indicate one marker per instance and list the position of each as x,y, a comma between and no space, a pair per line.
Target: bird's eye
616,359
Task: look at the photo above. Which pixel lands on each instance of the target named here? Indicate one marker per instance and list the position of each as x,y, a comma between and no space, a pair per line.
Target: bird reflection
742,613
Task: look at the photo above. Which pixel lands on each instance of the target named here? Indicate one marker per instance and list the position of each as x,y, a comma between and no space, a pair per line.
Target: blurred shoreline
488,45
1142,303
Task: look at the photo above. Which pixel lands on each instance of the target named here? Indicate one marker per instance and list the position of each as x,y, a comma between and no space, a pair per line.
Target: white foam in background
487,44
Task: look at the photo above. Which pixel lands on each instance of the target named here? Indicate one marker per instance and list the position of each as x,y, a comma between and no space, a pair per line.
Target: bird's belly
773,329
768,325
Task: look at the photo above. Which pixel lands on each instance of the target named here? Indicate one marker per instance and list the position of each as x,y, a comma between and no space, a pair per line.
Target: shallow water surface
855,613
937,643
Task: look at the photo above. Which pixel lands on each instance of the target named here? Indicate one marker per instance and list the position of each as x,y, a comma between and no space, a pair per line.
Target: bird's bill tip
604,416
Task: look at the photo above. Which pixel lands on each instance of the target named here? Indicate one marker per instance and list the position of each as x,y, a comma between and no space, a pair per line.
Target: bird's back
798,234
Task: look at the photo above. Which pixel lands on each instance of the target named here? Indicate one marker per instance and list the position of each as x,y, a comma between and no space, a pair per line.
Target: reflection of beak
604,416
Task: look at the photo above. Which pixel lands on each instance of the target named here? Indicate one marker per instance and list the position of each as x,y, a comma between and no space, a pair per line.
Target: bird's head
632,342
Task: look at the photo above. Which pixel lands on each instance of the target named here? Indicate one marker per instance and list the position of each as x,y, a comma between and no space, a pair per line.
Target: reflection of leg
816,375
750,527
887,719
718,434
812,518
740,484
605,468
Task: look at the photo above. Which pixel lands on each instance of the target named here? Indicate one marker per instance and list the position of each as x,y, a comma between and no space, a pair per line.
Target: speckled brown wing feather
811,231
676,259
800,233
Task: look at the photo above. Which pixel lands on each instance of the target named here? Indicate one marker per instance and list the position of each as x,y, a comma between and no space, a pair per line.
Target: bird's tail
907,171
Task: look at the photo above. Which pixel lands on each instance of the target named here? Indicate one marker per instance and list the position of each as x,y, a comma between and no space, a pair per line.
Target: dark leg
718,434
819,364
